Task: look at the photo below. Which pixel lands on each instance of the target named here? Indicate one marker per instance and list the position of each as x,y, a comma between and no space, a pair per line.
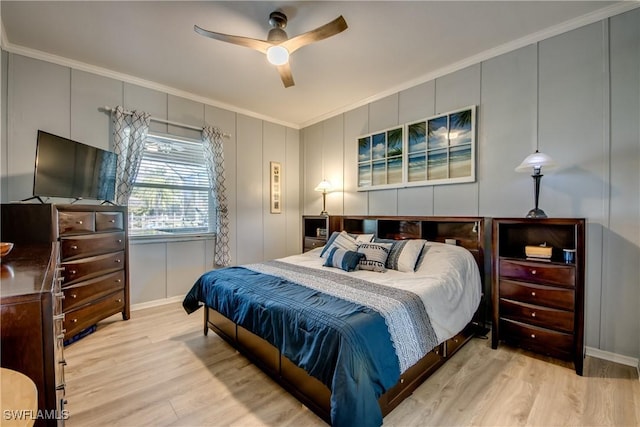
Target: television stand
31,198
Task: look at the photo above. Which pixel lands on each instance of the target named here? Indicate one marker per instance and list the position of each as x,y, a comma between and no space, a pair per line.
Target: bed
351,345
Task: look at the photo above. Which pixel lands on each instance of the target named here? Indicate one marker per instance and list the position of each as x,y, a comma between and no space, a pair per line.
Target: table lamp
535,162
324,187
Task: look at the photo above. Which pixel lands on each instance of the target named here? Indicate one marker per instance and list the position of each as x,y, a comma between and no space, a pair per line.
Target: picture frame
276,187
435,150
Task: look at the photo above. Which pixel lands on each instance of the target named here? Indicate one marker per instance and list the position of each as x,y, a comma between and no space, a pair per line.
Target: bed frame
468,232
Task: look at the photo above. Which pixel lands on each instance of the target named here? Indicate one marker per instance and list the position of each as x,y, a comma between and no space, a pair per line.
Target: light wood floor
158,369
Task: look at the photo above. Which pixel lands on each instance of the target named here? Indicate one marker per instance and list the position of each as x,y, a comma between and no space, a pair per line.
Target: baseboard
156,303
613,357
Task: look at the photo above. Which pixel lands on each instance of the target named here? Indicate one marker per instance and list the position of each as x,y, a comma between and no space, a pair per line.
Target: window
171,193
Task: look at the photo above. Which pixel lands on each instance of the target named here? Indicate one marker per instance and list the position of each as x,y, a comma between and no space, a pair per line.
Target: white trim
564,27
83,66
613,357
156,303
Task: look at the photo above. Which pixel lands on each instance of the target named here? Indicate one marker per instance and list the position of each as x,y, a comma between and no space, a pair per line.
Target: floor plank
158,369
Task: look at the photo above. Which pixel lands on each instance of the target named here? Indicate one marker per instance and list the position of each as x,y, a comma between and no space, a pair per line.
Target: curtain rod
169,122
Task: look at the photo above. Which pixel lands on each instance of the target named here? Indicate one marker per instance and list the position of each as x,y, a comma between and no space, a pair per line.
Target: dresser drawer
91,290
550,318
77,320
75,222
531,293
541,340
91,244
87,268
538,272
109,221
311,243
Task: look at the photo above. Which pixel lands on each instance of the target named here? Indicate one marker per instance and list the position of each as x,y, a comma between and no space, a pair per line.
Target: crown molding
598,15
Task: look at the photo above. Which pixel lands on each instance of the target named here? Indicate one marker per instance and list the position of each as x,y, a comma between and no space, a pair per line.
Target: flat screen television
70,169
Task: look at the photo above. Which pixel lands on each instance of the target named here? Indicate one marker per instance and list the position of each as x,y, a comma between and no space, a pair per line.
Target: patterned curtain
214,156
129,133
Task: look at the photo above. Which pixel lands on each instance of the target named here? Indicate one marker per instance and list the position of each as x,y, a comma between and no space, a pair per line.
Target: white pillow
341,241
363,238
404,254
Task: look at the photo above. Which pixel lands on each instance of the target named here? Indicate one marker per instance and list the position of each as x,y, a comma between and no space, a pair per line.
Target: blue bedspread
345,345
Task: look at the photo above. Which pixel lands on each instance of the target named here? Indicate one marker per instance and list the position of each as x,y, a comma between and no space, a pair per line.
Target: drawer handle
118,260
119,240
119,300
533,294
74,320
74,247
118,280
79,222
74,296
72,271
534,271
112,221
533,335
533,314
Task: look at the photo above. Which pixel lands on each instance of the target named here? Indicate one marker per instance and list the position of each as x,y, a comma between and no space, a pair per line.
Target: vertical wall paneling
38,98
4,186
570,130
147,100
383,114
313,168
507,118
293,186
416,103
89,93
453,91
185,111
186,261
356,123
620,331
274,150
148,272
226,120
332,155
249,190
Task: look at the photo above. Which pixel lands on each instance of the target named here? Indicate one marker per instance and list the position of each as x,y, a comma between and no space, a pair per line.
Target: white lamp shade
277,55
536,161
324,186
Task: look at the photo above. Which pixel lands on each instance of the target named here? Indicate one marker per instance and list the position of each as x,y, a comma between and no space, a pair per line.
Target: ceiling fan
278,45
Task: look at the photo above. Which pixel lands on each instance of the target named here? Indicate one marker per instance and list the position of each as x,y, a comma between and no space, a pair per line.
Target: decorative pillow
340,258
339,240
404,254
375,256
362,238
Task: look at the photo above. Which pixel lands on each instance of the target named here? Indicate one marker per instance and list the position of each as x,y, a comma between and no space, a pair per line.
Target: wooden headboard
472,233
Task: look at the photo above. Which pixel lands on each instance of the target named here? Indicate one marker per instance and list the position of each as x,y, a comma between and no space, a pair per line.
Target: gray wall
575,96
64,101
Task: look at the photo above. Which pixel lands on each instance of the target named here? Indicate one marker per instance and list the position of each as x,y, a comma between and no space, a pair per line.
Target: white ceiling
389,45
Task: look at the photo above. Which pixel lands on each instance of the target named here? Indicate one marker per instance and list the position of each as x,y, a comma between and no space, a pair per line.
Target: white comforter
447,281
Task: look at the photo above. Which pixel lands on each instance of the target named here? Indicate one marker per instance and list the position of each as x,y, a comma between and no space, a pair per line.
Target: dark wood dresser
93,255
32,325
538,303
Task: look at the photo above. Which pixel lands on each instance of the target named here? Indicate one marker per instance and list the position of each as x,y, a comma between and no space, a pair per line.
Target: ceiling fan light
277,55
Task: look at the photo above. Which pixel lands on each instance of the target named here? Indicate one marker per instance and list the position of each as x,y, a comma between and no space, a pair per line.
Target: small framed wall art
276,187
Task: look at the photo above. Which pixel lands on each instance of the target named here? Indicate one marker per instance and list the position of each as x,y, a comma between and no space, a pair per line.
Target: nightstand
314,232
538,303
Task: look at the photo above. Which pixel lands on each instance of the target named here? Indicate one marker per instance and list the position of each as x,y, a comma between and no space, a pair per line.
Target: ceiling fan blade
259,45
285,74
332,28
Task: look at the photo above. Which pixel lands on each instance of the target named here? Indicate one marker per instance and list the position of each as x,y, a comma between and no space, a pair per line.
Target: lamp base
536,213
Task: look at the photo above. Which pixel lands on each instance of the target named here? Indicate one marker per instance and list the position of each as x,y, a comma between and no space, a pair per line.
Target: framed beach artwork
436,150
276,187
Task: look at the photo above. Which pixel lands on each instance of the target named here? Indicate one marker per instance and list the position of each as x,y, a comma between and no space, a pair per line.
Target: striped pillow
375,256
345,260
342,241
404,254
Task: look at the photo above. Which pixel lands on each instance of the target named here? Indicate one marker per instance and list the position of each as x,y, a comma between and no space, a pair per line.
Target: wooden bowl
5,248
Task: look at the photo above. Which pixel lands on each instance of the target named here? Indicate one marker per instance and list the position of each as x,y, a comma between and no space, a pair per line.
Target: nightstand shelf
538,304
312,234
